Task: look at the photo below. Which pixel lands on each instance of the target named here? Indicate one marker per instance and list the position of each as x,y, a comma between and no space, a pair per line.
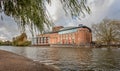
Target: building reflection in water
64,58
72,58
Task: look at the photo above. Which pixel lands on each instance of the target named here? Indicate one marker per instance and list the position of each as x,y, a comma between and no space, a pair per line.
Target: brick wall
82,36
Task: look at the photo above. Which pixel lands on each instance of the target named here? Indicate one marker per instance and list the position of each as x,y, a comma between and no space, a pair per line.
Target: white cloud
2,37
99,8
8,27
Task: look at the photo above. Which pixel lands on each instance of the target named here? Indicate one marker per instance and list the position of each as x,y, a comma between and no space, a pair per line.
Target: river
72,59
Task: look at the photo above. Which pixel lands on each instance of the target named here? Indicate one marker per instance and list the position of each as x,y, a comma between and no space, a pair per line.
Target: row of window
42,40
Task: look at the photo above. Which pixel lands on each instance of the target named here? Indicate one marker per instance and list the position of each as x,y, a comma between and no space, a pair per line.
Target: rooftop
70,27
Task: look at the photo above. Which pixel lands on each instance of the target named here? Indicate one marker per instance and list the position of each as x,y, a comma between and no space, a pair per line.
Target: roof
71,27
67,28
80,26
83,26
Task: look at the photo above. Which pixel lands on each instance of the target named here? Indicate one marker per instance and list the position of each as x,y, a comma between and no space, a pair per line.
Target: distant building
80,35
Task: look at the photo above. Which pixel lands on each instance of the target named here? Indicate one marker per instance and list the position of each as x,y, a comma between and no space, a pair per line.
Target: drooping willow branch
34,12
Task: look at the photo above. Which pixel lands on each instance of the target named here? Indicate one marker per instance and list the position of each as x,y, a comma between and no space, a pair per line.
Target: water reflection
105,59
72,59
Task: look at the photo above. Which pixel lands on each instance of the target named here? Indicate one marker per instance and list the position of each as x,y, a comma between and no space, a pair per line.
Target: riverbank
13,62
85,46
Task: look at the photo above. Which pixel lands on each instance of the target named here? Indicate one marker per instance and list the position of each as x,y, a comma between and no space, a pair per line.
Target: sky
100,9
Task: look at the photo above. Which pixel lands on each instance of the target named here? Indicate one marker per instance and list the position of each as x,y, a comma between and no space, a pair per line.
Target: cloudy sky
100,9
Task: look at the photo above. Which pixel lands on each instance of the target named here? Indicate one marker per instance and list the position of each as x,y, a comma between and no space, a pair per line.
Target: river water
72,59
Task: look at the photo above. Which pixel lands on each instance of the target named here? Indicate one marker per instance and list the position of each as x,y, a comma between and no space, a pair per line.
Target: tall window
43,40
46,39
39,39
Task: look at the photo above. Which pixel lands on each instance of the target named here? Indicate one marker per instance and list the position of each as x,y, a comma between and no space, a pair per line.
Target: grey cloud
8,27
100,9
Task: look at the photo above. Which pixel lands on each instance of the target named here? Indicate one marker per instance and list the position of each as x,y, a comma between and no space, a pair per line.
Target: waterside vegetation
5,43
21,40
107,32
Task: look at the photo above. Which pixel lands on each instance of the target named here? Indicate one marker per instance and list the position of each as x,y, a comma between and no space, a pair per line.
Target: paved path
13,62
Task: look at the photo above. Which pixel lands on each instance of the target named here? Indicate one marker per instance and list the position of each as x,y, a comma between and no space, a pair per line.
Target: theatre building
80,35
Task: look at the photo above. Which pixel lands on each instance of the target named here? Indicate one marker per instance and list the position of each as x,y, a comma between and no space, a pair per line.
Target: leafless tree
107,31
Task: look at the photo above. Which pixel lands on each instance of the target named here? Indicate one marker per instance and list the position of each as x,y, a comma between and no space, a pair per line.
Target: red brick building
80,35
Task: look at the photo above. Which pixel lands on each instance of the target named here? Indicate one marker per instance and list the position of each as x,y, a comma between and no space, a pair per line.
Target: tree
107,31
21,40
34,13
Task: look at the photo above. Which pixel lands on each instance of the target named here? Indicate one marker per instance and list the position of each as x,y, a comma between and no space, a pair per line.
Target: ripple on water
72,59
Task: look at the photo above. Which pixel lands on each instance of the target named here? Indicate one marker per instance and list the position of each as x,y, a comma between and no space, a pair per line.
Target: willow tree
35,14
